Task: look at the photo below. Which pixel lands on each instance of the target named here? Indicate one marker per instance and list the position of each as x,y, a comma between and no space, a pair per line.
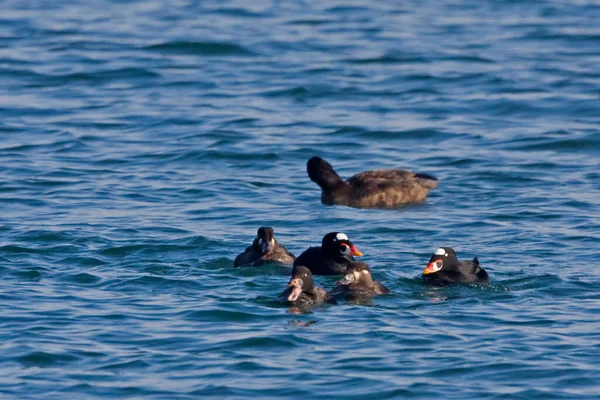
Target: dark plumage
444,267
370,189
358,282
264,249
301,290
332,257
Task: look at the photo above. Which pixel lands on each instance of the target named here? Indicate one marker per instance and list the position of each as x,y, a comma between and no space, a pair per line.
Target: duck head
265,240
301,281
337,244
322,173
444,258
357,273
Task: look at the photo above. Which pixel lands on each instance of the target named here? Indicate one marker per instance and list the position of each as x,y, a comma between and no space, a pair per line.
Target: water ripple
144,143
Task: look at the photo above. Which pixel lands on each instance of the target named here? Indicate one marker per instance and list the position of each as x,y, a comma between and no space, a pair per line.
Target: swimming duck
370,189
264,249
358,282
444,267
332,257
301,289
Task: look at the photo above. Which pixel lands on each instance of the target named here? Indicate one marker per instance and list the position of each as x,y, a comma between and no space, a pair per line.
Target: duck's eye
439,264
344,248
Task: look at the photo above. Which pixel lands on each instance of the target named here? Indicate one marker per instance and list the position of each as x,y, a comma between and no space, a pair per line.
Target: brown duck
264,249
358,282
302,291
380,188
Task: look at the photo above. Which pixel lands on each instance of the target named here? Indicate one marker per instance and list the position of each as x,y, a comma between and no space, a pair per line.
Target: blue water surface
144,142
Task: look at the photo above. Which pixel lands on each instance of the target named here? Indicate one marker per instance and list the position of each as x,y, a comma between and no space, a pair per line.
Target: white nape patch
440,252
260,240
341,236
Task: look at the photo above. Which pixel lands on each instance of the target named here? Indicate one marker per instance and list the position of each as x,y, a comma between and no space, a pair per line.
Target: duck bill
266,247
347,280
296,287
432,268
355,252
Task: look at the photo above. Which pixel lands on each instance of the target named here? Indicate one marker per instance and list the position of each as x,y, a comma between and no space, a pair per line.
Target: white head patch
341,236
441,252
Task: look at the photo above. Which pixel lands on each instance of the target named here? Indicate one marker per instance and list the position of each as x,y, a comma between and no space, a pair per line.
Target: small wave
44,360
586,142
83,278
153,249
409,134
310,21
388,59
125,74
126,365
200,48
58,146
468,59
16,249
32,275
238,12
219,314
296,92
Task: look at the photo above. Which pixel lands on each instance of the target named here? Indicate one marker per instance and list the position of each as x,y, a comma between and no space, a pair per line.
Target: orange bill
355,252
433,267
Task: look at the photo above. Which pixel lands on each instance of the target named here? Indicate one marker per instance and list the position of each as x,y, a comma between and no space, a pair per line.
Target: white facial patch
440,252
341,236
345,249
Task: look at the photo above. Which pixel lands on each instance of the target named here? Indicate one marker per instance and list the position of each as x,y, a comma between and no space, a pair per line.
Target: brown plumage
358,282
264,249
381,188
302,291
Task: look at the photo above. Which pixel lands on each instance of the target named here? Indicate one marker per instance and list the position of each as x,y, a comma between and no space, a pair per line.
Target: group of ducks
335,256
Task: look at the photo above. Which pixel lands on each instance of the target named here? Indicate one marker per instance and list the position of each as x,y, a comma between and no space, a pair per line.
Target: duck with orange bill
444,267
332,257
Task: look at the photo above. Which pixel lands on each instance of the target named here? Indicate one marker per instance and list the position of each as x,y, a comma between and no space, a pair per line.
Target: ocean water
144,142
